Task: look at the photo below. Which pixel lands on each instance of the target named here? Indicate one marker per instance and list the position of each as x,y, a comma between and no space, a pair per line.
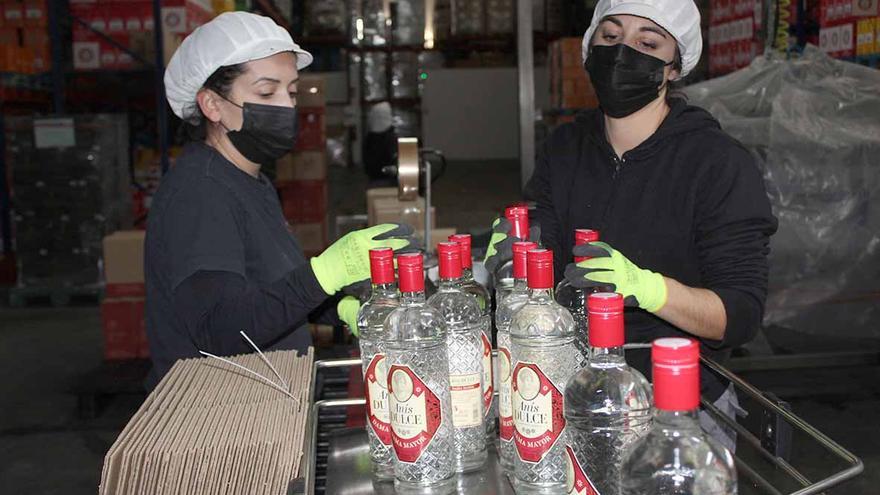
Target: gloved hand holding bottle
607,267
505,232
347,261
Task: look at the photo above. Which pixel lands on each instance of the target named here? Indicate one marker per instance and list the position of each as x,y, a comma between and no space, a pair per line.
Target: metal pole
526,76
427,204
54,7
161,108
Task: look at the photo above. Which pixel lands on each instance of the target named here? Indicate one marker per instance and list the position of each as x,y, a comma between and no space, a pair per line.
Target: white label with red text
488,389
505,404
467,400
577,483
415,413
376,391
537,412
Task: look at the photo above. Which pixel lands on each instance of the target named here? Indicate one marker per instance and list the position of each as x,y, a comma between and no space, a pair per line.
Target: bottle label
466,395
537,412
488,375
577,483
505,405
376,392
415,413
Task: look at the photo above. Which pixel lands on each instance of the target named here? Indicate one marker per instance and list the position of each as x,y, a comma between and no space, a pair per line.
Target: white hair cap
681,18
229,39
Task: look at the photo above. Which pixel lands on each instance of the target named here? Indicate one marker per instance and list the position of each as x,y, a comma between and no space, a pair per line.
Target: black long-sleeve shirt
219,258
688,203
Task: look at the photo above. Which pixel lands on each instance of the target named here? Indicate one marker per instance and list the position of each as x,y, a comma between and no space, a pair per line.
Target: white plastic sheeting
814,123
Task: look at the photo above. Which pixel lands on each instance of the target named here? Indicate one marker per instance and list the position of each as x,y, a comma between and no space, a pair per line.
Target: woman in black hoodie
681,206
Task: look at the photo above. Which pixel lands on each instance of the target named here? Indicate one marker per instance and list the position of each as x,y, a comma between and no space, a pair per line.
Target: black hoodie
688,203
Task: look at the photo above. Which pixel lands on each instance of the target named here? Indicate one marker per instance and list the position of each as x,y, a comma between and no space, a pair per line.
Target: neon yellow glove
609,268
347,261
500,248
347,309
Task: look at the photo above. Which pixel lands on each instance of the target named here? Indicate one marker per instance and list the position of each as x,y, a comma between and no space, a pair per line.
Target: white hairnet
229,39
681,18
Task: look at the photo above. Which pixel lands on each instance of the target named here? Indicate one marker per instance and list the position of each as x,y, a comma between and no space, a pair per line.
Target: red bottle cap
449,256
605,315
540,271
382,265
520,253
411,272
584,236
464,242
676,370
518,216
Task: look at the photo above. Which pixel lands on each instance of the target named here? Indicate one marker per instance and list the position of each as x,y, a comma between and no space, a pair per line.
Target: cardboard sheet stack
209,427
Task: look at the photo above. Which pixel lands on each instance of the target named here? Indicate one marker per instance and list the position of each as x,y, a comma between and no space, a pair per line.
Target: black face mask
267,133
625,79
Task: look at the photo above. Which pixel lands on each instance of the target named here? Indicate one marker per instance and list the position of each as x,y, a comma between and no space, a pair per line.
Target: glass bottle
507,307
474,288
544,358
462,318
607,404
418,388
676,457
518,216
574,299
384,298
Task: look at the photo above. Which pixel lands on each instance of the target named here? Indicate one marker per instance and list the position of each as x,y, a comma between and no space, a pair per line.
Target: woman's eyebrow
613,20
266,79
652,29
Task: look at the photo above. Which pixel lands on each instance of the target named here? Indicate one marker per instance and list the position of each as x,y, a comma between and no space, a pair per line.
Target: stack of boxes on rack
733,39
301,176
130,24
122,310
24,39
570,87
848,28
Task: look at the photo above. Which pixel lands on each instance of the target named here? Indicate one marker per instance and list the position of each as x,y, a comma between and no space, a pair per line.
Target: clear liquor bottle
507,307
418,388
470,286
574,299
384,298
461,314
607,404
544,358
676,457
518,216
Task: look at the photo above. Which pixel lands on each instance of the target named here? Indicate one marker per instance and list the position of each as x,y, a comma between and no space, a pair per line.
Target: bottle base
383,472
528,488
443,487
474,463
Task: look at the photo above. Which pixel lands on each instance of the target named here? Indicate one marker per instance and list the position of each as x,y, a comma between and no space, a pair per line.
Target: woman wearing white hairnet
681,206
219,255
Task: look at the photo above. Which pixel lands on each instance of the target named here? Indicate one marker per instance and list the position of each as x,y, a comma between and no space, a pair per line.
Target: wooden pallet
55,296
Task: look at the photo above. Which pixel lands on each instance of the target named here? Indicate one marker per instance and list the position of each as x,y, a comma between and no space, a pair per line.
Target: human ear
208,104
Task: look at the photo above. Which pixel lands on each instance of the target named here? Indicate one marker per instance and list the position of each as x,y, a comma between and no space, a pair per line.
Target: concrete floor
45,448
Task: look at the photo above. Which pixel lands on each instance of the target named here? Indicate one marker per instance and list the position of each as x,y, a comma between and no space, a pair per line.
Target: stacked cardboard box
301,176
383,206
24,39
209,427
733,40
848,27
130,24
570,87
122,310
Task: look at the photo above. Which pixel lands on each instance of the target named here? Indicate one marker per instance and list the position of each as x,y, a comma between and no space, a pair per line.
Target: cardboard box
302,165
36,13
311,133
312,237
876,36
303,201
865,8
124,263
123,327
311,91
392,210
13,14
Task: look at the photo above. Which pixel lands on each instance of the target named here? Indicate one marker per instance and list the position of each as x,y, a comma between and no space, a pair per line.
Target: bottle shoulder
544,318
455,306
691,449
608,389
374,312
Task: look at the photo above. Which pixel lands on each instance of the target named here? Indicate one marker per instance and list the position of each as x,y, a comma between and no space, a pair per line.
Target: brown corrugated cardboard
302,165
209,428
124,257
